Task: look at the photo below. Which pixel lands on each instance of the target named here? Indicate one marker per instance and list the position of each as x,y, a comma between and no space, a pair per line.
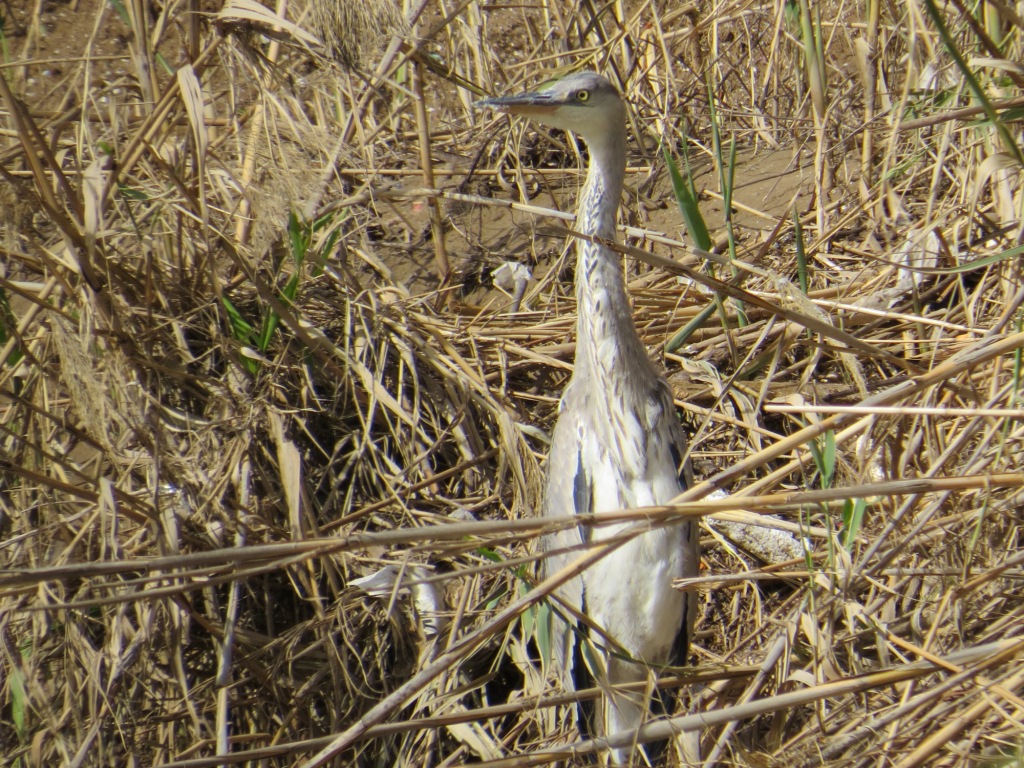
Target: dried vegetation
233,382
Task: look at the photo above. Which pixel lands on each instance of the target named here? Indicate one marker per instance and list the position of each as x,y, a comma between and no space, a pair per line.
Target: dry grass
232,381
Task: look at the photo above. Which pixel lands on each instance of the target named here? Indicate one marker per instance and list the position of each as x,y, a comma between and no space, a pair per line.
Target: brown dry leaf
250,10
290,466
192,97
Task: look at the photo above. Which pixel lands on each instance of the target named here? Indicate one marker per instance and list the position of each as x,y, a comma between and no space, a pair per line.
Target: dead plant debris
231,383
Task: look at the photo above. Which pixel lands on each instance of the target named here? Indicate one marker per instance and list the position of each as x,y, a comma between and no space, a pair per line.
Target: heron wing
691,544
568,491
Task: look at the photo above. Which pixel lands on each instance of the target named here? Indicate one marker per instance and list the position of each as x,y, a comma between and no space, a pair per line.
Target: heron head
583,102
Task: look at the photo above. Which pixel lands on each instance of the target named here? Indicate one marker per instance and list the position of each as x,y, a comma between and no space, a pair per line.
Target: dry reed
231,382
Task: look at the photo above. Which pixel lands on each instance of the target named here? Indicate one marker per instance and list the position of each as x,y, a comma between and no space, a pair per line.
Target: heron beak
530,104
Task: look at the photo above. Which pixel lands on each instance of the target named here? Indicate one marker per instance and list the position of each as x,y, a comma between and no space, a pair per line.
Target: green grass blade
240,327
853,520
686,198
680,336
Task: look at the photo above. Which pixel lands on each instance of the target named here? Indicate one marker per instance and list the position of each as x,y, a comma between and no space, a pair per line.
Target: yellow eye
582,95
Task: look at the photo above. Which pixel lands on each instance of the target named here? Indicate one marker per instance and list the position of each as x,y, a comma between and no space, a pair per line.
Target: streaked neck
606,337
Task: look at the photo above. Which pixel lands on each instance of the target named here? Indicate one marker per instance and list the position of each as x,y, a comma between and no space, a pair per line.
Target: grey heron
617,442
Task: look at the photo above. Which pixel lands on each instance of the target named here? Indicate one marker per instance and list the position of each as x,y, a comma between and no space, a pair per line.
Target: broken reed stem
427,166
